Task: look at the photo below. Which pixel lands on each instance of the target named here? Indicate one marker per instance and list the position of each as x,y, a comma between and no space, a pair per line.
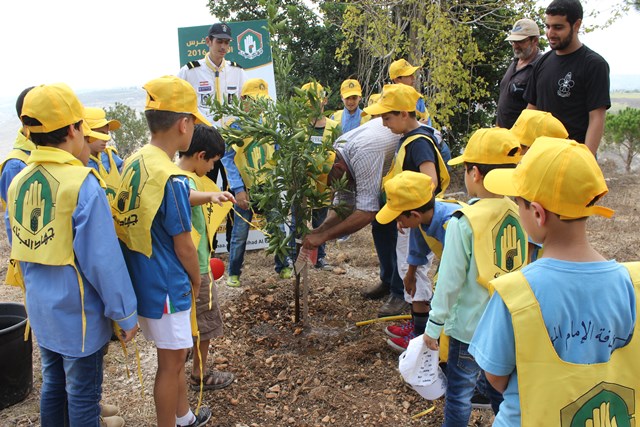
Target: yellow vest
558,393
250,158
140,194
398,161
499,241
111,178
213,213
20,145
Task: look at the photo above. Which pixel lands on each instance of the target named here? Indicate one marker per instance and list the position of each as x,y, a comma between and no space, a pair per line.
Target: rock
275,388
339,270
269,299
282,376
220,359
271,395
326,419
234,401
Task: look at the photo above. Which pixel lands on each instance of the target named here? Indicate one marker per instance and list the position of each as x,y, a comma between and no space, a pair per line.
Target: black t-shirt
419,151
569,87
512,88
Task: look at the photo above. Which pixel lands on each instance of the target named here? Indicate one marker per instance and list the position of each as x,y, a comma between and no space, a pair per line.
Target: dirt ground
327,372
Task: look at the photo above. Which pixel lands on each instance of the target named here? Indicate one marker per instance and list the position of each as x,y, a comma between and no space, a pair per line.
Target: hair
412,114
207,139
572,9
485,169
527,204
161,121
20,100
422,209
55,137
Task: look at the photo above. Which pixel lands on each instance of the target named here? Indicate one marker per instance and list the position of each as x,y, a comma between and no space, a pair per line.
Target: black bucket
16,374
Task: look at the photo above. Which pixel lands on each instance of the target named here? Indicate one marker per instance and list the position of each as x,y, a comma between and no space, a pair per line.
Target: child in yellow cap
484,240
350,117
402,72
417,152
153,221
61,227
104,158
532,124
558,338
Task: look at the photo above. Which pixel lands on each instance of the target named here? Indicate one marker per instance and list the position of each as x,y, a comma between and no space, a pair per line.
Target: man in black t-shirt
571,81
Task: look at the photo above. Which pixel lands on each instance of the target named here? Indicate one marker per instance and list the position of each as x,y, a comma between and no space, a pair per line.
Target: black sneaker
322,264
480,401
204,415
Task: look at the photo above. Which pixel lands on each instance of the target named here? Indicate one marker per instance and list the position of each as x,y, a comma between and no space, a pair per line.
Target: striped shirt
368,151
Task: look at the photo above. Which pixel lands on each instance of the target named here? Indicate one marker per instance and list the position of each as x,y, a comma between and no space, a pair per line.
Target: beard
523,53
563,43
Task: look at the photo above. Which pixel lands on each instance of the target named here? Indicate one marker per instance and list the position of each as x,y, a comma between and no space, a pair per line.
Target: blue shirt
577,300
418,248
350,121
420,151
163,274
12,167
53,294
421,108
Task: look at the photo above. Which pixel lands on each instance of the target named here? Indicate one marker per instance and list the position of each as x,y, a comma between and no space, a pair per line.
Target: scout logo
611,404
250,44
35,201
133,181
510,243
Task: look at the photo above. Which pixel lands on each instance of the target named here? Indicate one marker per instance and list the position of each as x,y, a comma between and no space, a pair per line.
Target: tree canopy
622,133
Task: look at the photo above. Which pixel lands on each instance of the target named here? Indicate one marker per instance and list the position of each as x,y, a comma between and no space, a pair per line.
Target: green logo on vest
36,200
605,405
134,178
510,243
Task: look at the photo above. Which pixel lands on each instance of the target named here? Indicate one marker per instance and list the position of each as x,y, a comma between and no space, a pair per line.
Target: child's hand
430,342
127,336
410,283
223,196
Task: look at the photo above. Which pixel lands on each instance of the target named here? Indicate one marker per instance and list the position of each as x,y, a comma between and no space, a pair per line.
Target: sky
101,45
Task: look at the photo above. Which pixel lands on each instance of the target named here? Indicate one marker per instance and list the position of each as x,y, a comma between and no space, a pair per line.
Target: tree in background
622,133
133,133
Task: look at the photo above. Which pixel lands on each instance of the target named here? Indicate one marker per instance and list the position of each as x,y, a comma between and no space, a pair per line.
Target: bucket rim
18,325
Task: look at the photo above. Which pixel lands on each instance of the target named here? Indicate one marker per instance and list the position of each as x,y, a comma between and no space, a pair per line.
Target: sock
419,322
186,419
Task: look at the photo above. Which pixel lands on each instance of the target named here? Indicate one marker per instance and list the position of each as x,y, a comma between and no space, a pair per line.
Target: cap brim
456,161
220,36
114,124
376,109
351,93
201,119
408,72
386,215
97,135
501,181
515,38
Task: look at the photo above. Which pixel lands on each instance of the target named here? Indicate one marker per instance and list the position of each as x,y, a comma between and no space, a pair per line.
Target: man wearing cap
350,117
571,81
524,41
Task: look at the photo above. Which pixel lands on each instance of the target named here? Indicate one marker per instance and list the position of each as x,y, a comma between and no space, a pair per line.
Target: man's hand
430,342
242,200
313,240
127,336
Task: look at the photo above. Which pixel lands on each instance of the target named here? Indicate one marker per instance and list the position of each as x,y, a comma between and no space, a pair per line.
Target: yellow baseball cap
315,86
170,93
401,68
532,124
55,106
560,174
373,98
255,88
490,146
349,88
394,98
406,191
97,118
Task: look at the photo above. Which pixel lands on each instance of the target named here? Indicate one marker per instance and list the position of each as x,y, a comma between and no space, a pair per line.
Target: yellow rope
384,319
251,224
423,413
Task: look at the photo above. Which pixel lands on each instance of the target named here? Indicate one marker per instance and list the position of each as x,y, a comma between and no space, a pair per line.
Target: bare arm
595,129
197,198
499,382
188,256
429,168
354,222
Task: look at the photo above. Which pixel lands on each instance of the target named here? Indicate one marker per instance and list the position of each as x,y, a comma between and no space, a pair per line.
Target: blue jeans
318,216
462,375
385,238
238,244
487,390
71,389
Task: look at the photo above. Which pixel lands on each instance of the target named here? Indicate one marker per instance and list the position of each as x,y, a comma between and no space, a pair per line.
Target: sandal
214,380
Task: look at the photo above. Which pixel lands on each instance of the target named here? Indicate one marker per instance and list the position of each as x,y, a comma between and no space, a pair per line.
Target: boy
410,202
417,152
573,312
532,124
350,117
104,158
483,241
207,146
153,221
70,259
402,72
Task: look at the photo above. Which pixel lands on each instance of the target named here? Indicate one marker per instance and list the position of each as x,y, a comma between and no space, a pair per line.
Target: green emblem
605,404
36,200
510,243
133,180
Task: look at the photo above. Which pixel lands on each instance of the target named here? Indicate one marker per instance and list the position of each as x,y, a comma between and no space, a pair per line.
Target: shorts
170,332
424,287
209,319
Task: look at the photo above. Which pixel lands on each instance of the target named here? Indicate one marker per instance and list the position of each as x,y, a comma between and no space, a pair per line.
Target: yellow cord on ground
384,319
423,413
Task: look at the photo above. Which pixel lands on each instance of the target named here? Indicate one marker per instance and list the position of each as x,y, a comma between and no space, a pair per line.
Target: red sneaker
400,344
400,331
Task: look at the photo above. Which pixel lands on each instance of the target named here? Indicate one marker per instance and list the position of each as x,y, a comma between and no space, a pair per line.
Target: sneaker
393,307
286,273
377,291
480,401
400,344
204,415
400,331
111,422
107,410
322,264
343,238
233,281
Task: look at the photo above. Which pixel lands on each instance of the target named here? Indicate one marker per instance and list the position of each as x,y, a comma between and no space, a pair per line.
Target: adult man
571,81
364,156
524,41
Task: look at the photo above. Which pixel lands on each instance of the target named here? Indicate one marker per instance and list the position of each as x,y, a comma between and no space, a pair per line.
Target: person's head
487,149
410,200
207,147
563,19
532,124
20,100
52,115
96,118
351,94
318,92
558,178
524,37
401,72
253,89
172,106
397,106
218,41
